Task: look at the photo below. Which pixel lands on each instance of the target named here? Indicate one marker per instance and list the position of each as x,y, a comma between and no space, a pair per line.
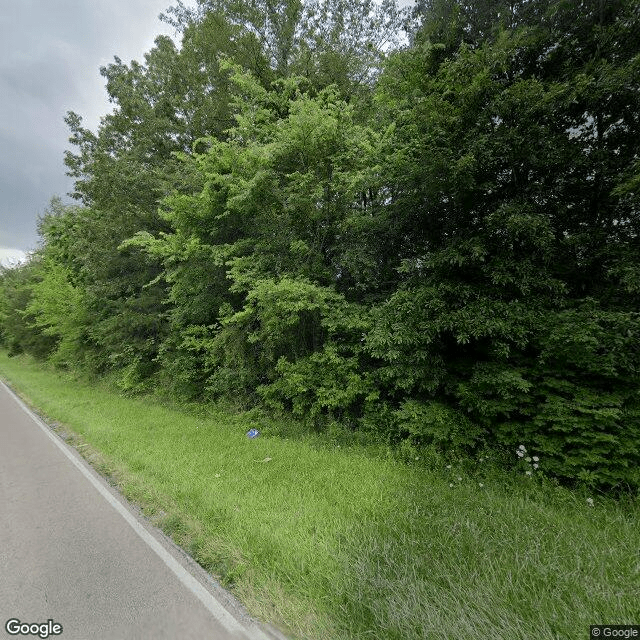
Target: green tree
513,223
263,236
16,333
446,251
162,109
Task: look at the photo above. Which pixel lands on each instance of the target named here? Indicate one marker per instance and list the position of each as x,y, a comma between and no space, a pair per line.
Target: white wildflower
590,502
535,459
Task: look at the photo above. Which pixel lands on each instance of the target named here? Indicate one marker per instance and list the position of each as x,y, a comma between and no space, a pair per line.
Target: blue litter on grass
253,433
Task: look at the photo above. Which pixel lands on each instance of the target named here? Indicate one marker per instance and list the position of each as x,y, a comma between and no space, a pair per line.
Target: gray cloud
50,54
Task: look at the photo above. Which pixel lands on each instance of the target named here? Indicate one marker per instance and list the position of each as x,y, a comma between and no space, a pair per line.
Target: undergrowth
334,539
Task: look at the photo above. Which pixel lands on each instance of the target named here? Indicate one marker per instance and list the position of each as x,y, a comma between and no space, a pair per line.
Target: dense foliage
436,241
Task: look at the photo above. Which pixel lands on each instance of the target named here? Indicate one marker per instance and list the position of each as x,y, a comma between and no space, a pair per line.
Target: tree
16,334
328,42
507,179
177,100
446,251
263,235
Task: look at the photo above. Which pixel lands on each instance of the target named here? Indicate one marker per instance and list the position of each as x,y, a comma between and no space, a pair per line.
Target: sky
51,52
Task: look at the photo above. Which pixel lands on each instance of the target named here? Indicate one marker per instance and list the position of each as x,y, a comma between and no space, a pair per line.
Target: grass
333,543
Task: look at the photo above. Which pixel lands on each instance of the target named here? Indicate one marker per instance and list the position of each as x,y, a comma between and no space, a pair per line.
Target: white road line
191,583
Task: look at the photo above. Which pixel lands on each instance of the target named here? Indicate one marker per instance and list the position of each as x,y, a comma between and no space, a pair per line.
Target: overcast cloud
50,55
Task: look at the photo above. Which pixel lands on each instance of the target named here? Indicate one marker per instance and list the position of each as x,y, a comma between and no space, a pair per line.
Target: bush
322,383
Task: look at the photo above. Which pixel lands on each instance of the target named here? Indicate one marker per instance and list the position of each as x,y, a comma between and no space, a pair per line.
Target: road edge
158,541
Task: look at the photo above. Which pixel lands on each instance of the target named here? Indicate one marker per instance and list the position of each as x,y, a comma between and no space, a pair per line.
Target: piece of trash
253,433
217,475
267,460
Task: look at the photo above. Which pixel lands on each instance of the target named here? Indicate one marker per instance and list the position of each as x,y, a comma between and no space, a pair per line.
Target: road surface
72,552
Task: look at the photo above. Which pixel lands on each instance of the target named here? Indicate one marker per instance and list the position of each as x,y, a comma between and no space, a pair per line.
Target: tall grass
340,542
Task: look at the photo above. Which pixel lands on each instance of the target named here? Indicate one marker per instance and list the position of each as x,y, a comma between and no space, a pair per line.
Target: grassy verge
336,542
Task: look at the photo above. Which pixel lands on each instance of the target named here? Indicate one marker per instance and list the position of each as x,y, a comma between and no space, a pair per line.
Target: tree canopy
423,225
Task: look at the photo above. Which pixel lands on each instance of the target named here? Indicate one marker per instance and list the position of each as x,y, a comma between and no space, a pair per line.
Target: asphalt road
73,552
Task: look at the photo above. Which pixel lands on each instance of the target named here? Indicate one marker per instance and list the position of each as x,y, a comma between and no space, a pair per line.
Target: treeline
423,224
